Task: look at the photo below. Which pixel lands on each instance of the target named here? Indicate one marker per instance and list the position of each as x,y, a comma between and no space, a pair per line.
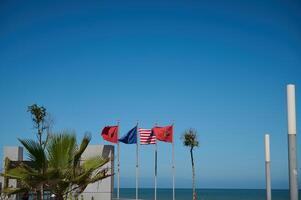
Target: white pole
118,163
118,178
137,162
173,166
267,148
268,167
155,171
155,157
292,147
291,109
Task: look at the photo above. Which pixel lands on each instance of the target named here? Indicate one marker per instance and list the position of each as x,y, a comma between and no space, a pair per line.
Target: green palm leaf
58,167
85,141
35,152
61,149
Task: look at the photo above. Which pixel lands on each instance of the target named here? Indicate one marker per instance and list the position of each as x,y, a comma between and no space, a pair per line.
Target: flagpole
155,158
173,165
156,165
118,163
137,162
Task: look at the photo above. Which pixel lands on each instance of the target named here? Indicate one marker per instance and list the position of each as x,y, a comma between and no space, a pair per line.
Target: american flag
146,136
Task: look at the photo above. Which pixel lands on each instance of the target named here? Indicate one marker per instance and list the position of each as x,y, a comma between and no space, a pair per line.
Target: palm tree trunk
194,197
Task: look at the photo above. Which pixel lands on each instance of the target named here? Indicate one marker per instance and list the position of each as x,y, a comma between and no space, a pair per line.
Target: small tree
190,140
41,122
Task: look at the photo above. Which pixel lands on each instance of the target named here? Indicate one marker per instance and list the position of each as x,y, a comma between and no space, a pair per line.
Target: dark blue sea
204,194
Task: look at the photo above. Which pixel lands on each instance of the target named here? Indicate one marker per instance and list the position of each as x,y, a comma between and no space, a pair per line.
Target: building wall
102,189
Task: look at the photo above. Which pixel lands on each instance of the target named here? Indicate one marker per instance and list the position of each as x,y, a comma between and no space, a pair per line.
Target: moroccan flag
164,134
110,133
130,137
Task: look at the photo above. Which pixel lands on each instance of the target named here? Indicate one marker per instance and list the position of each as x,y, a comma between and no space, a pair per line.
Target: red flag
110,133
164,134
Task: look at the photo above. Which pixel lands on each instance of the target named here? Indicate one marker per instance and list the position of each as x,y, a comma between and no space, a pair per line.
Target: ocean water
204,194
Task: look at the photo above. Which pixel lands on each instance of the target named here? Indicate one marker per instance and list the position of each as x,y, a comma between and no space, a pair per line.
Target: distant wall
102,189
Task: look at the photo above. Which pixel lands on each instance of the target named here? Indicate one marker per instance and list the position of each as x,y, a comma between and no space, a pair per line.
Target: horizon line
204,188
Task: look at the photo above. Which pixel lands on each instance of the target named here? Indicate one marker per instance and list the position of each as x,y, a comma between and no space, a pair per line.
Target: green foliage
190,138
35,152
38,114
61,148
40,122
63,171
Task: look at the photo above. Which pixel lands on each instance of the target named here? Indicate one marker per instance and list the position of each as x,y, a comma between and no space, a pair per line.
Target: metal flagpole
173,164
155,159
118,163
268,167
155,155
137,162
292,149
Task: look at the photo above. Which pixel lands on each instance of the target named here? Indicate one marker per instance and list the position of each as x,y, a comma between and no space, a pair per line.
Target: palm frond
102,174
11,191
36,153
85,141
60,150
89,177
90,168
94,163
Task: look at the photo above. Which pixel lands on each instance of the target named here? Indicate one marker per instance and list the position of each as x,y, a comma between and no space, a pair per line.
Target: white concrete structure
292,142
99,190
102,189
268,167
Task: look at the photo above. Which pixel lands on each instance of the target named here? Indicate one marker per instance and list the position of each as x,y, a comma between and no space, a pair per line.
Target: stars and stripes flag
147,136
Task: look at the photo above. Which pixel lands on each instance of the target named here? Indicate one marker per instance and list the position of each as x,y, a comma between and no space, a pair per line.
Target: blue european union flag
130,137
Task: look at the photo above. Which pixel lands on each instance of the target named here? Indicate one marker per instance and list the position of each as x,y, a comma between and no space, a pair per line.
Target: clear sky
220,67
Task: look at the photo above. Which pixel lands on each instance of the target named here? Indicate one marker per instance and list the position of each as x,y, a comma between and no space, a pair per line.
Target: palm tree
63,171
64,159
190,140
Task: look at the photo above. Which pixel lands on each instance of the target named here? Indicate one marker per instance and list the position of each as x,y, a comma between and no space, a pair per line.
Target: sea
203,194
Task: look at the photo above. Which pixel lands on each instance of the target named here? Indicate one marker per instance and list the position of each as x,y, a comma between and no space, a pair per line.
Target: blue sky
220,67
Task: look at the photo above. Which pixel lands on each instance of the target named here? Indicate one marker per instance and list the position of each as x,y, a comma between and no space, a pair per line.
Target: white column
268,167
292,147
